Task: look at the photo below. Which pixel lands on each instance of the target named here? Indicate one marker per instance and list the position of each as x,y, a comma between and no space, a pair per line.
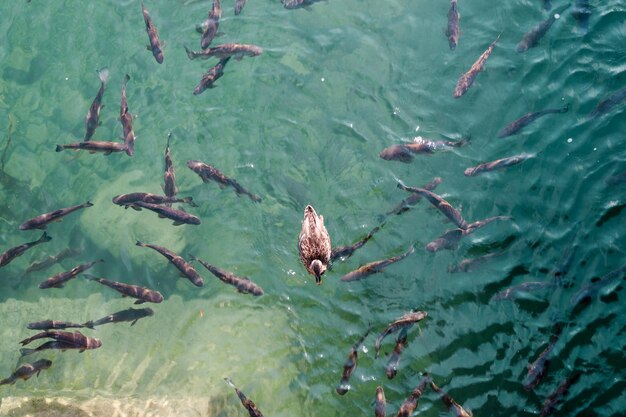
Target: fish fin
80,351
89,325
134,207
177,223
160,216
38,372
140,301
134,321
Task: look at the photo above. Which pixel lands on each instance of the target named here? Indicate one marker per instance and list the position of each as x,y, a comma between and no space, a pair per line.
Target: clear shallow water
304,123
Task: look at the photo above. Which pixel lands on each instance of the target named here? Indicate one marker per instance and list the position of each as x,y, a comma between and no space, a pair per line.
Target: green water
303,124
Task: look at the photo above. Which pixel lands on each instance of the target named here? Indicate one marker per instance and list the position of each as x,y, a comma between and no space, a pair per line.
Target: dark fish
142,294
374,267
92,119
605,284
212,75
27,370
208,173
442,205
518,290
296,4
54,344
350,365
410,404
405,152
347,251
406,321
183,266
239,6
19,250
51,260
549,405
243,284
451,238
453,25
537,370
41,221
126,118
59,280
515,126
211,24
178,216
449,402
53,324
392,365
227,50
466,80
532,37
75,338
130,314
169,186
94,146
607,104
582,13
381,403
466,264
153,36
248,404
127,200
498,164
414,198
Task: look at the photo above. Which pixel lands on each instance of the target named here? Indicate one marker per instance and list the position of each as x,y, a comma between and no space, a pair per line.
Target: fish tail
169,136
229,382
189,200
140,243
126,79
44,238
103,74
59,148
88,204
26,351
90,277
565,109
190,53
89,325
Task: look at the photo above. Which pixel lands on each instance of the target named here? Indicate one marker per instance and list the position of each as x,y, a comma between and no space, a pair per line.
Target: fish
466,80
350,365
533,36
239,6
93,146
126,118
392,365
538,369
178,216
380,403
127,200
410,404
347,251
153,36
550,403
497,164
442,205
208,173
453,25
547,4
130,314
211,24
93,114
297,4
582,13
414,198
404,152
209,78
142,294
467,264
406,321
517,291
183,266
55,344
59,280
452,405
51,260
607,104
374,267
226,50
451,238
25,371
253,411
19,250
53,325
314,245
243,284
517,125
75,338
41,221
605,284
169,186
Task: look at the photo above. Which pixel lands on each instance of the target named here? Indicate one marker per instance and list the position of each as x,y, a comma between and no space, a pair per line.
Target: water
304,123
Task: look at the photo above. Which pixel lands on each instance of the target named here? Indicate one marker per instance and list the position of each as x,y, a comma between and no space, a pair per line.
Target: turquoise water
303,124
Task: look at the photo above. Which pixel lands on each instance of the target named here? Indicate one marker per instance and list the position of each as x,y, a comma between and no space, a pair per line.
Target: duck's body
314,244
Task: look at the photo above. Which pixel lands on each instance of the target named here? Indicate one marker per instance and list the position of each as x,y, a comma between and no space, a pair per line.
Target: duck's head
318,268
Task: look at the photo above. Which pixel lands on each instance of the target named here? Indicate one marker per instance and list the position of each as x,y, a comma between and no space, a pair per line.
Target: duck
314,244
